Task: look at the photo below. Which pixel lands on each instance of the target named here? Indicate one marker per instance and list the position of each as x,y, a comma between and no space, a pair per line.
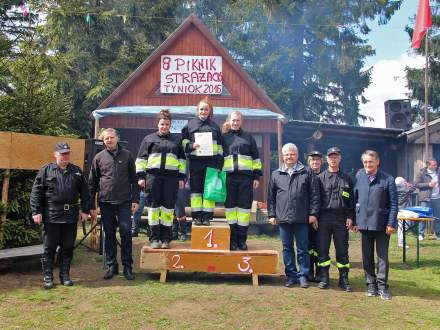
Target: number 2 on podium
210,237
175,260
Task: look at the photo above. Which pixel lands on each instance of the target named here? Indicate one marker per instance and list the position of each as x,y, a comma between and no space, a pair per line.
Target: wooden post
163,276
93,237
5,190
254,279
280,141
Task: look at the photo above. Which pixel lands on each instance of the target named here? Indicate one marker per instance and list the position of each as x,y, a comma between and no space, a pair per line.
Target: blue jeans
298,232
114,216
435,204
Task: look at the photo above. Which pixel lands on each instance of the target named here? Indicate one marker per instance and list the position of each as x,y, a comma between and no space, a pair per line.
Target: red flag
423,22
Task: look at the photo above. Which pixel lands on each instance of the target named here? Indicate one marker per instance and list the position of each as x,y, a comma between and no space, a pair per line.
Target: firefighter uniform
161,158
202,209
336,208
55,195
242,165
313,237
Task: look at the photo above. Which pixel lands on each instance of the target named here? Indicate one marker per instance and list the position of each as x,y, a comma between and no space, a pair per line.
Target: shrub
15,233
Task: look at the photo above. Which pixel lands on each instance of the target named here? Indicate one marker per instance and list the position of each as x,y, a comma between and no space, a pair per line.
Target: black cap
315,153
62,147
334,150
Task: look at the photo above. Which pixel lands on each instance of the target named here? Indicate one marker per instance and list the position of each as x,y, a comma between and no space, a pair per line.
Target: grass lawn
212,301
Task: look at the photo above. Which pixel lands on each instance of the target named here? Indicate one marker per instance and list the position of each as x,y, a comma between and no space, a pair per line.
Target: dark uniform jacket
336,193
376,201
161,154
113,177
200,126
422,181
292,199
241,154
56,192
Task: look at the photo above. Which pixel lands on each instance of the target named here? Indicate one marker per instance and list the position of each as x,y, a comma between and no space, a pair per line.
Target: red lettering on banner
179,62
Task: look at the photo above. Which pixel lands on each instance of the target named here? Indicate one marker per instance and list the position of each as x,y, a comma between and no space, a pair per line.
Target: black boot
344,284
198,220
324,278
311,277
65,271
234,237
182,230
175,230
128,273
206,219
47,265
242,237
317,273
111,271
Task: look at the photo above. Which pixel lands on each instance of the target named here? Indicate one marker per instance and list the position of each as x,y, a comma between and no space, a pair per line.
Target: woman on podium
203,144
243,167
162,159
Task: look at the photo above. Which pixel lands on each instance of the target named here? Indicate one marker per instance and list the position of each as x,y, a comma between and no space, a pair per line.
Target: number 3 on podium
246,265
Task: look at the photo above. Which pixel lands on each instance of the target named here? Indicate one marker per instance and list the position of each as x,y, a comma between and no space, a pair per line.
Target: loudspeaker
93,146
398,114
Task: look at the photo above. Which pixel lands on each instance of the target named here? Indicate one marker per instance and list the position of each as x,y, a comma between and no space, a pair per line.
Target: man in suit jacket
376,218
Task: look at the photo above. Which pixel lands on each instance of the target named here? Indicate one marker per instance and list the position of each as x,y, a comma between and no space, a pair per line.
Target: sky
393,54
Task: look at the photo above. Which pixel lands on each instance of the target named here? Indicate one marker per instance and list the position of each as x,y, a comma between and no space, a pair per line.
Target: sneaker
384,294
183,237
154,245
303,283
401,246
421,238
205,222
165,245
198,222
371,290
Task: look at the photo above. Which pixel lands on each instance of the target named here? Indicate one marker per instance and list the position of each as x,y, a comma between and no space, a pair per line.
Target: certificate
204,140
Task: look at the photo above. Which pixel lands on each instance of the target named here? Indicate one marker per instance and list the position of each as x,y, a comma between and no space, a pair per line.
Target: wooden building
352,140
195,56
412,155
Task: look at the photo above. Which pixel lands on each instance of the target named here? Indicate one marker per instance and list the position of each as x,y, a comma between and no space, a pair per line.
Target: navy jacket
291,199
376,201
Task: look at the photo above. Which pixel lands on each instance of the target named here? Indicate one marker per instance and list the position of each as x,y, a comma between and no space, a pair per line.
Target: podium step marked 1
210,253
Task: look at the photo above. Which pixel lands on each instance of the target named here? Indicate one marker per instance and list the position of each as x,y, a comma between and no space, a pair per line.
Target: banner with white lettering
191,74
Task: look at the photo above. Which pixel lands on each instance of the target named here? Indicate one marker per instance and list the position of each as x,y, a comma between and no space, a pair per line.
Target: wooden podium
209,253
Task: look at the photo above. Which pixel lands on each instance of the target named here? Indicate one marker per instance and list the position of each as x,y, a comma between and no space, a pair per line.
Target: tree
307,55
416,77
104,42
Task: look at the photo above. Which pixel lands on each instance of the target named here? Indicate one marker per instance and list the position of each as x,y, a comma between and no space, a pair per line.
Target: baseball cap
334,150
62,147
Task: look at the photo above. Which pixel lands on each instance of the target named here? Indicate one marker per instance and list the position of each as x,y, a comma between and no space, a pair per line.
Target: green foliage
16,234
104,42
307,55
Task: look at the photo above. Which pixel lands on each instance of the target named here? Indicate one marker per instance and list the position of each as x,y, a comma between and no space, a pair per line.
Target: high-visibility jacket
241,154
188,139
161,154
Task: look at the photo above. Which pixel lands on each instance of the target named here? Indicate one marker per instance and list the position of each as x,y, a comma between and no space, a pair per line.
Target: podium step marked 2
209,253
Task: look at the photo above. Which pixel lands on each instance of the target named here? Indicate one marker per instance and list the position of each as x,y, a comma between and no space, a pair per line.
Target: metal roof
182,111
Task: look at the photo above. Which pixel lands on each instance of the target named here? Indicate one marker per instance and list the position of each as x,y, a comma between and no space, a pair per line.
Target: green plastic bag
215,185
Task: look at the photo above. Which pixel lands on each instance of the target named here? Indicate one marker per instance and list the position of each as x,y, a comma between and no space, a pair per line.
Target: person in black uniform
202,209
161,158
314,160
335,219
54,202
243,166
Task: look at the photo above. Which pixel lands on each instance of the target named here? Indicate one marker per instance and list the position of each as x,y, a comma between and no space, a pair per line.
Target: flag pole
426,96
